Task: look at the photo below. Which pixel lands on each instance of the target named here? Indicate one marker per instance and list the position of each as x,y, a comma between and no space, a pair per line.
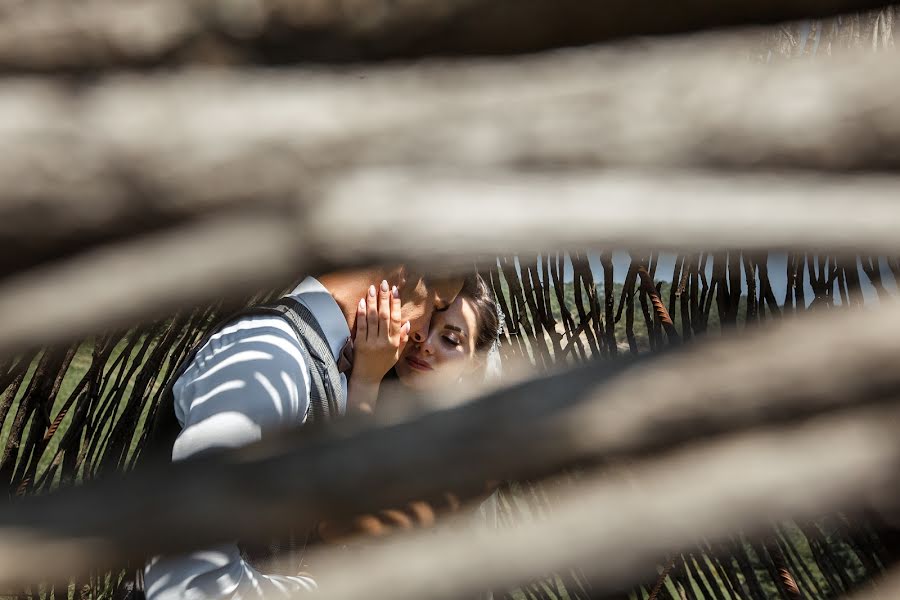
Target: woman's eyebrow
454,328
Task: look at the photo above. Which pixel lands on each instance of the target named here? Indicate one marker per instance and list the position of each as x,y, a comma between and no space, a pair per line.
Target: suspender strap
325,381
324,403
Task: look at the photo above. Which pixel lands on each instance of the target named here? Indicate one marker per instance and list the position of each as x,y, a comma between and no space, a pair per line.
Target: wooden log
616,527
53,35
357,214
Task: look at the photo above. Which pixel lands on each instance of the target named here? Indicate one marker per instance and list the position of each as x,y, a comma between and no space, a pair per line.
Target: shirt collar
326,311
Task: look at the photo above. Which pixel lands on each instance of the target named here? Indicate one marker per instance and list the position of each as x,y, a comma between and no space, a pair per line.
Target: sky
777,265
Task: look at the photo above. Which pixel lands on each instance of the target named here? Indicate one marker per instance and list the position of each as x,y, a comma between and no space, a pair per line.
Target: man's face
421,297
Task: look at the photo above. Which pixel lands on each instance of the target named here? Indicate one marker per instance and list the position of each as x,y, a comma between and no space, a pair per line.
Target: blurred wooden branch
54,35
497,212
147,277
617,526
211,138
838,363
229,252
884,588
136,157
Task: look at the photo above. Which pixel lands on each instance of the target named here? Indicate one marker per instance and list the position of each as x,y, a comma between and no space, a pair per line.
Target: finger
395,312
384,309
424,513
404,336
361,325
372,312
396,518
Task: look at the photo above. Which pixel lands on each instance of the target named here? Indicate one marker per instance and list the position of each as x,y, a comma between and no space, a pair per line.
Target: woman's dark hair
477,292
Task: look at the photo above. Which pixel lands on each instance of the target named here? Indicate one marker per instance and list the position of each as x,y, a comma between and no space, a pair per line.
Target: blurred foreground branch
209,139
618,525
840,362
163,161
54,35
884,588
230,252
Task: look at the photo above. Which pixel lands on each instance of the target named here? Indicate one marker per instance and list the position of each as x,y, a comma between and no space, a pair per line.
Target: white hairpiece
501,326
493,367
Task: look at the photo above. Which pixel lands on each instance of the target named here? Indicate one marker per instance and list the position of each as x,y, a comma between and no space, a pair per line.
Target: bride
462,342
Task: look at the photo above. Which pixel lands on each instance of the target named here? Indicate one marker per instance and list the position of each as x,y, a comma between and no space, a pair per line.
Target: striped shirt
250,378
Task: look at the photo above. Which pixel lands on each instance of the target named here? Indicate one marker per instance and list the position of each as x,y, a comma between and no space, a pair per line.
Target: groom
261,372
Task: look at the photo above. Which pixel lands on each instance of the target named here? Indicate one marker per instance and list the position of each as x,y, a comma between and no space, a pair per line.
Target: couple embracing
321,352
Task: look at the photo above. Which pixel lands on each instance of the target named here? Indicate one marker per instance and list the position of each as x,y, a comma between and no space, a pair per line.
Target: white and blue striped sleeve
250,378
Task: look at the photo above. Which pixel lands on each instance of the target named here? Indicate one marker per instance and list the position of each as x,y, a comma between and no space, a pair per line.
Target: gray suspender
284,556
325,397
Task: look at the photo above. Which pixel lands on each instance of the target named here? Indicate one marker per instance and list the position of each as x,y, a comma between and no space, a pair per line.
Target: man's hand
422,514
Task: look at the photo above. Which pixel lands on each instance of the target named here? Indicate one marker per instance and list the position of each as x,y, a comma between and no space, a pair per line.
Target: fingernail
384,286
372,290
407,326
395,292
362,304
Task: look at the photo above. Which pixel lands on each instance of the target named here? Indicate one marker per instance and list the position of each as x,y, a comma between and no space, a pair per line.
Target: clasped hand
378,343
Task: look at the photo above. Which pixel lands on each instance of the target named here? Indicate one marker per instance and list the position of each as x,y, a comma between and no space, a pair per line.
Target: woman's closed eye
453,336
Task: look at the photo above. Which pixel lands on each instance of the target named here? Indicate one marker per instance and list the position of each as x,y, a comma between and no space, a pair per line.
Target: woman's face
447,353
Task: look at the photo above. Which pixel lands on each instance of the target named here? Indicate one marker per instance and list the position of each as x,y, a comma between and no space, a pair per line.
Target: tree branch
228,252
53,35
617,526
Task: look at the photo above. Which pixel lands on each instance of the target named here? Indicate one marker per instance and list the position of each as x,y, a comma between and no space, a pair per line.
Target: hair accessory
501,326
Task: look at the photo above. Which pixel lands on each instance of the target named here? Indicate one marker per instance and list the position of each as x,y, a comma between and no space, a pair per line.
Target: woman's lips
418,365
